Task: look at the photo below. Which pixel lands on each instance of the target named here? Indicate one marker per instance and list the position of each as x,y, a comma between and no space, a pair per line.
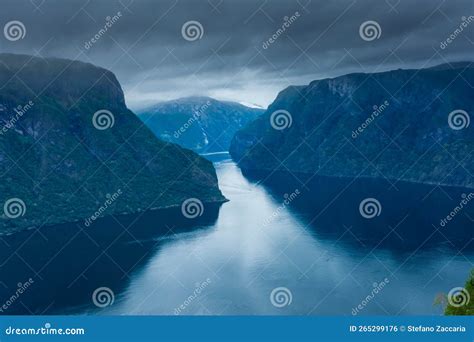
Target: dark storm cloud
236,58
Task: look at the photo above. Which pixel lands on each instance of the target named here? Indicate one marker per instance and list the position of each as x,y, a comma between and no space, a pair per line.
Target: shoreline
408,181
9,232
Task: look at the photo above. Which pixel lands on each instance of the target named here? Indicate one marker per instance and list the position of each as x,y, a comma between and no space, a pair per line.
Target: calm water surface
245,255
239,254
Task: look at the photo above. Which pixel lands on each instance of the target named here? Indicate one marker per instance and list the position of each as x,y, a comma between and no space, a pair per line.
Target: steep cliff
70,149
410,125
201,124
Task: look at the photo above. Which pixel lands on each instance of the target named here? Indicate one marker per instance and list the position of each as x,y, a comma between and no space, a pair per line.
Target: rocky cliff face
410,125
201,124
70,149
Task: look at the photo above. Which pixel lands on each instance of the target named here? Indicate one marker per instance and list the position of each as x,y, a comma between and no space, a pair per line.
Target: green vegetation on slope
466,298
55,159
408,125
201,124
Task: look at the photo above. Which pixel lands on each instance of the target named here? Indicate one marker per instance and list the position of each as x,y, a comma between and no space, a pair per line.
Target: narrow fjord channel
232,261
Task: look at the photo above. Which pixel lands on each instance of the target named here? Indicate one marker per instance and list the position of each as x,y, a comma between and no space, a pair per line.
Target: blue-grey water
232,261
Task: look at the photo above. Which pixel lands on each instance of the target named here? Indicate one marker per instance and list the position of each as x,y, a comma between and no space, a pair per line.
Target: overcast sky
146,49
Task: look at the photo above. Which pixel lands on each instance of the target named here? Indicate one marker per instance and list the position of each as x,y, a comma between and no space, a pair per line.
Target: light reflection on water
242,259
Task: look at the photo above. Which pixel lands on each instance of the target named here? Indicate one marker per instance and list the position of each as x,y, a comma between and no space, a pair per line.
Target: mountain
409,125
201,124
71,150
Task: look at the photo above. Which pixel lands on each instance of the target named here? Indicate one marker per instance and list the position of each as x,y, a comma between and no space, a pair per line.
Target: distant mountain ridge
409,125
201,124
70,149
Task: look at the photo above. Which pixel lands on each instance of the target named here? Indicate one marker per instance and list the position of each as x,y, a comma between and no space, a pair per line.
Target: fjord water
257,245
230,260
